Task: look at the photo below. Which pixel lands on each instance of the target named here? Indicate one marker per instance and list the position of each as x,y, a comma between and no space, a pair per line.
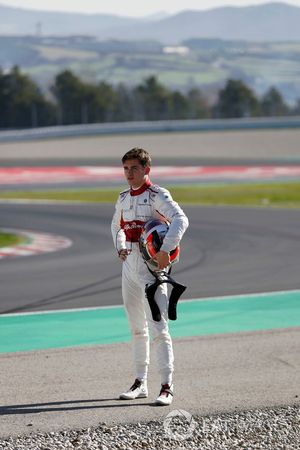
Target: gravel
275,429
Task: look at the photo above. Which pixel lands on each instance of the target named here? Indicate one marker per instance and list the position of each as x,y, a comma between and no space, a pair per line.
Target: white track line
98,308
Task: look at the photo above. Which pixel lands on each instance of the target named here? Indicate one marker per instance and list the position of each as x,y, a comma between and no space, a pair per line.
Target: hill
18,21
207,63
268,22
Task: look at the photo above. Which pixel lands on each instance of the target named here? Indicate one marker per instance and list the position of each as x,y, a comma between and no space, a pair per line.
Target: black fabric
150,293
135,385
168,391
176,293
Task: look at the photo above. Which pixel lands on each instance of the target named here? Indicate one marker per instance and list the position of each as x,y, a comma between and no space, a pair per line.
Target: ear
147,170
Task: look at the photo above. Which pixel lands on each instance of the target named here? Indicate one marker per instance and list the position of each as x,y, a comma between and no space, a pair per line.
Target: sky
135,8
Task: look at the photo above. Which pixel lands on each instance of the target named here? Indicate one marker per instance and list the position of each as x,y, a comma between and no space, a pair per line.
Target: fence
65,131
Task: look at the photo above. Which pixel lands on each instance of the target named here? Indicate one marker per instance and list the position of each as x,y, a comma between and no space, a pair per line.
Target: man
135,206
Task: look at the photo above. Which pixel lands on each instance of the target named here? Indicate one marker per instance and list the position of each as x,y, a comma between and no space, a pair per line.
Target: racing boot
165,397
138,390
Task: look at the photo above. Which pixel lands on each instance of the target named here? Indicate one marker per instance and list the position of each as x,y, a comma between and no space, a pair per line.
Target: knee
139,333
161,336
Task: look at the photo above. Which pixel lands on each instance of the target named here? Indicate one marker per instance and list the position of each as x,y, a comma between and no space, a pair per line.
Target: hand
123,254
163,259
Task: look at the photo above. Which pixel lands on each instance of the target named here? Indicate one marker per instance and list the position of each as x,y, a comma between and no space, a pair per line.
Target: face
135,173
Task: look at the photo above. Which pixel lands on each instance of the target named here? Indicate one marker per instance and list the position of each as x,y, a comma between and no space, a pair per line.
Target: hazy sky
130,7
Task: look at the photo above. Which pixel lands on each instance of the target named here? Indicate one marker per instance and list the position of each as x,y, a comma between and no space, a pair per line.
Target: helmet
151,241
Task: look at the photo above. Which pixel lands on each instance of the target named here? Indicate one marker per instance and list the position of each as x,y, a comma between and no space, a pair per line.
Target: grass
264,194
267,194
8,239
57,53
268,63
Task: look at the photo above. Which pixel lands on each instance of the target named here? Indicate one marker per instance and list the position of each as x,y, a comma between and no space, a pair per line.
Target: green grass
8,239
57,53
276,63
268,194
263,194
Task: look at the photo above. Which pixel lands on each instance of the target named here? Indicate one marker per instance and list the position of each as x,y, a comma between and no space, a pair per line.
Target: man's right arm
117,231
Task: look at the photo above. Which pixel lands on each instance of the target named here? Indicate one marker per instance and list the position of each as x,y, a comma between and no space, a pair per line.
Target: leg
133,297
161,337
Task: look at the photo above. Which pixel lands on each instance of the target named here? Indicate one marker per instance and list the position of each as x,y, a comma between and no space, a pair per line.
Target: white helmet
151,241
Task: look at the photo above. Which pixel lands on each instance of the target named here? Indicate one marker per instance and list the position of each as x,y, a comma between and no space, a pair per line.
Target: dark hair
140,154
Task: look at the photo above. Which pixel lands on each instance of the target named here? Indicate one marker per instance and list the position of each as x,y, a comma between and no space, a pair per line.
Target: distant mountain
157,16
268,22
17,21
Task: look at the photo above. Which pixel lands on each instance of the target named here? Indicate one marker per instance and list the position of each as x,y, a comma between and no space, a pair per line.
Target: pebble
273,428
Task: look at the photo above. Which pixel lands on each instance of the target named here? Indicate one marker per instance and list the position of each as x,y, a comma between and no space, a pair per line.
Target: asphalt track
226,251
75,388
229,146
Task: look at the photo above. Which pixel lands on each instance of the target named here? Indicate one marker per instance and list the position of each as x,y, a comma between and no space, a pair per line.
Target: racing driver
134,207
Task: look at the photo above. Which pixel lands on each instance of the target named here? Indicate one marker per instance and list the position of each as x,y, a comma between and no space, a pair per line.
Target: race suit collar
141,189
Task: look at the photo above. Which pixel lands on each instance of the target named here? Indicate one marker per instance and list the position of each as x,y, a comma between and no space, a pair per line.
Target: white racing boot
138,390
165,396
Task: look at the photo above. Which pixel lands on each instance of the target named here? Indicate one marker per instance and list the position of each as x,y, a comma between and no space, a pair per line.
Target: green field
266,195
207,65
58,53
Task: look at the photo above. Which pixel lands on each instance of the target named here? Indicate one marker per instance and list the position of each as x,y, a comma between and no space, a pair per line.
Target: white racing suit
133,209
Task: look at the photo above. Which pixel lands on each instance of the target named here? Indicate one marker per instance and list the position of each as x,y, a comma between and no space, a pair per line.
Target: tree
272,104
236,100
197,105
70,95
154,98
296,109
178,106
124,110
106,101
81,102
22,104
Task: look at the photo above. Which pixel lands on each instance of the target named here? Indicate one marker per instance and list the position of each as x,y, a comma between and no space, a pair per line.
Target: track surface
79,387
244,145
225,251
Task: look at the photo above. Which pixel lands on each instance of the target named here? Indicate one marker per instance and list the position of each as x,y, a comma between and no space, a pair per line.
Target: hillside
207,63
268,22
18,21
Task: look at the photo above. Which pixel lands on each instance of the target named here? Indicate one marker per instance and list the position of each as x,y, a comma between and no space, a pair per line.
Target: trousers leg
133,298
161,337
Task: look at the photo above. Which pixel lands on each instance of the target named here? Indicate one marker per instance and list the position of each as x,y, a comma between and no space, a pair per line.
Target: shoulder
123,195
158,192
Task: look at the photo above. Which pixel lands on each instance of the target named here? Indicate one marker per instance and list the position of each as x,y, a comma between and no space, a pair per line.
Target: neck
146,182
139,190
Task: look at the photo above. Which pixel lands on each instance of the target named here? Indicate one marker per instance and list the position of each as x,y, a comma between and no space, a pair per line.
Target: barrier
99,129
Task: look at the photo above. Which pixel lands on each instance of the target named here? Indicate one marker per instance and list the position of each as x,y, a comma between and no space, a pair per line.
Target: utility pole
38,29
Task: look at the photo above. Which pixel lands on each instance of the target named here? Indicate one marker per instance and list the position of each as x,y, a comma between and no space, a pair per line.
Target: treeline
73,101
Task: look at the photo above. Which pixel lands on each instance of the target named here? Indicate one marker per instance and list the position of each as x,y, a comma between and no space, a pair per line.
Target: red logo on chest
133,230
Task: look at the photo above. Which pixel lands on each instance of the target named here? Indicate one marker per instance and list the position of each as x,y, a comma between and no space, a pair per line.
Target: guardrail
98,129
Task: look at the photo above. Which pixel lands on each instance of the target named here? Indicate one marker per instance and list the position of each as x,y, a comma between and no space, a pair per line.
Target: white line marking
239,296
58,311
96,308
